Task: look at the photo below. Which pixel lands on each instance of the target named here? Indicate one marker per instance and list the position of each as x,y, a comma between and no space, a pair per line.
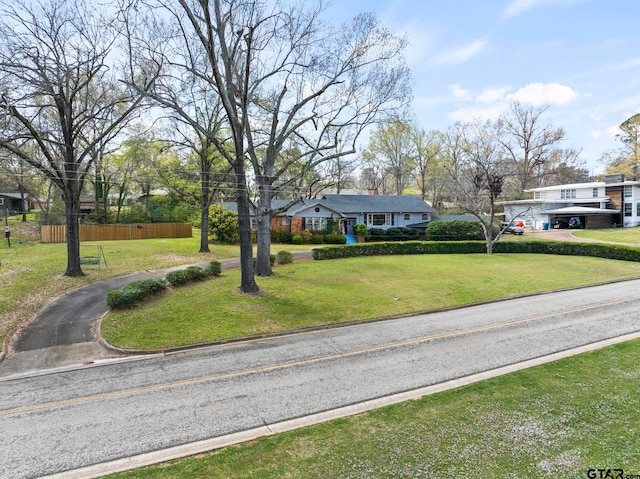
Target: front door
348,225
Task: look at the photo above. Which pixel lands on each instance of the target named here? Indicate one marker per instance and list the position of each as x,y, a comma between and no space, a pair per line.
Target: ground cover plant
311,293
563,419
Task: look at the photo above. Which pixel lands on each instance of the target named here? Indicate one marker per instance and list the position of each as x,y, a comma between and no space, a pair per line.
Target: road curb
199,447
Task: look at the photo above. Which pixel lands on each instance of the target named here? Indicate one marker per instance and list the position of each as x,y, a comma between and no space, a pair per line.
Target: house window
537,195
628,192
628,209
595,192
379,219
637,209
1,201
253,223
286,221
425,216
315,223
406,216
567,194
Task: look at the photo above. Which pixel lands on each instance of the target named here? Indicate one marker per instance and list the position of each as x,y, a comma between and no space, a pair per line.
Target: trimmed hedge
134,292
284,257
453,230
618,252
335,239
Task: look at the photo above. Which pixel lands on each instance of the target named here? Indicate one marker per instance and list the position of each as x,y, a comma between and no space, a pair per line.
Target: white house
613,202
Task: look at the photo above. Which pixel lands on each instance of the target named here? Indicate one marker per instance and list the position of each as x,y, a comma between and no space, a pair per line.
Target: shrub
453,230
214,268
335,239
360,229
297,239
177,277
134,292
278,236
306,236
223,224
317,239
285,257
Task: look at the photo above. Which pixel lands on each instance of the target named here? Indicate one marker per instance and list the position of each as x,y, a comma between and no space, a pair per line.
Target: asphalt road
160,406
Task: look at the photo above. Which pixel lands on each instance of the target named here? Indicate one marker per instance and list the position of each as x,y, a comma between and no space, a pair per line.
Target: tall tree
476,167
317,86
531,145
428,148
627,159
392,144
60,94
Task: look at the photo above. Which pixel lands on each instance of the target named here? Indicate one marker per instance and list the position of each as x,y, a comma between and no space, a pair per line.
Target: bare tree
317,86
477,171
60,94
530,144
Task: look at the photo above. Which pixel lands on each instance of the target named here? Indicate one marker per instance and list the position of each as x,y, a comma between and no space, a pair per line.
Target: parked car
513,229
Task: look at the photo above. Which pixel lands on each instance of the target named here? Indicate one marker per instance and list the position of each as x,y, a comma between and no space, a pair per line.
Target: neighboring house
12,204
376,211
613,202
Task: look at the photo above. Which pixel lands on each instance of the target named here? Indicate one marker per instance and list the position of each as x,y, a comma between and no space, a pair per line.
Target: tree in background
393,146
531,146
477,169
428,173
60,94
627,159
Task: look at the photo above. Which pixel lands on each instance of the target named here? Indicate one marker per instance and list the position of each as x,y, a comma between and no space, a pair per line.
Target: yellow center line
302,362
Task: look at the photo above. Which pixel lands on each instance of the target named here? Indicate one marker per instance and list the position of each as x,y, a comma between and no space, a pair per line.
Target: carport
588,217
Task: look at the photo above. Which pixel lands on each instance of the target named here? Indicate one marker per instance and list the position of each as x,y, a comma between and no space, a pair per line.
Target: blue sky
470,57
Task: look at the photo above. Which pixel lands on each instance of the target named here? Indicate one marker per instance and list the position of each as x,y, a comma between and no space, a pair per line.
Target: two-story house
613,202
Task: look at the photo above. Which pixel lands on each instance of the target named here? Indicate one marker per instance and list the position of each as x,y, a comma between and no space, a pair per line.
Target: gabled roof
13,195
352,204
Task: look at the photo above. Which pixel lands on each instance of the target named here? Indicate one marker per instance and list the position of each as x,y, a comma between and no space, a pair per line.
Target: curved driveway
124,414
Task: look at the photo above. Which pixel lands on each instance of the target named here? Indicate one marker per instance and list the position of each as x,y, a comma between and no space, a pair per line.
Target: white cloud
538,94
462,54
492,95
518,7
613,130
492,112
595,134
459,93
595,117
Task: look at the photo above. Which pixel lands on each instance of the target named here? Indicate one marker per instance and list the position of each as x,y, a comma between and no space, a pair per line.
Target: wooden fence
57,233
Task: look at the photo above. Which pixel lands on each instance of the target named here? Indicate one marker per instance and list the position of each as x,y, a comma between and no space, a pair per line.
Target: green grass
312,293
556,420
31,273
615,235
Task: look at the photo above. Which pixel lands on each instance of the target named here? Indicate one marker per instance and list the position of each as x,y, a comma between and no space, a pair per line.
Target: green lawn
312,293
615,235
31,273
553,421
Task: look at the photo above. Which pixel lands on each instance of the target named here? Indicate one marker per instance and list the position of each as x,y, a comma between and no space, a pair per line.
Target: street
68,420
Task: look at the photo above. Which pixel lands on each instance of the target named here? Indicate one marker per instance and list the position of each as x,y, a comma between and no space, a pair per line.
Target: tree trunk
205,201
263,217
247,284
72,210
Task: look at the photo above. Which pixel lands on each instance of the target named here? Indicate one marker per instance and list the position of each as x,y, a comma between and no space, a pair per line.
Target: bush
453,230
297,239
619,252
183,276
134,292
360,229
317,239
285,257
335,239
272,260
278,236
223,224
214,268
306,236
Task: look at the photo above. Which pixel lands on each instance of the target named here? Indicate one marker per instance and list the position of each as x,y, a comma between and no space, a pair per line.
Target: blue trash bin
545,226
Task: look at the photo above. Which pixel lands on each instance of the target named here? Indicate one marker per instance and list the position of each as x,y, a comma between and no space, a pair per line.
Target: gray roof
348,204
